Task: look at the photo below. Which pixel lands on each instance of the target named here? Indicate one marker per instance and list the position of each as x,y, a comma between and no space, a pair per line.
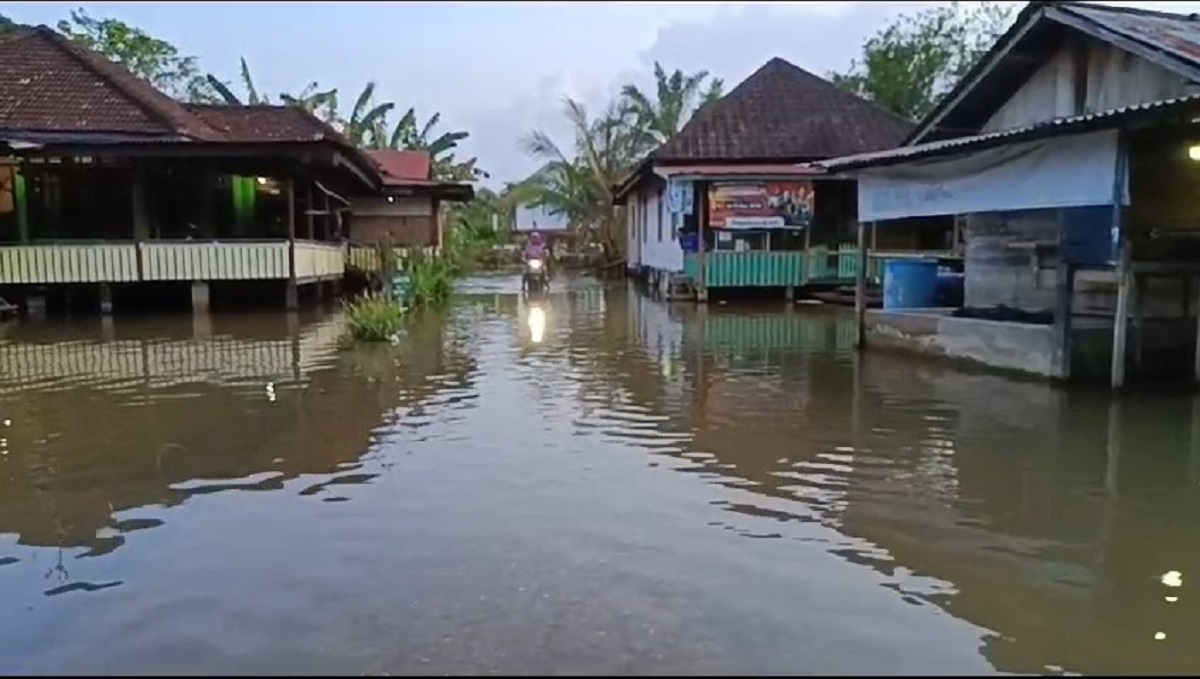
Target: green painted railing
752,269
764,269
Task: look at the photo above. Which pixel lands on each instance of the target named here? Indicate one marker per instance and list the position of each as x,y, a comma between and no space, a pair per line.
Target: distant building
538,219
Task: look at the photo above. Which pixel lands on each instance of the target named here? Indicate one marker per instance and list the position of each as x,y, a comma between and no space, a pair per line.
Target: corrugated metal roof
1176,34
1049,128
764,170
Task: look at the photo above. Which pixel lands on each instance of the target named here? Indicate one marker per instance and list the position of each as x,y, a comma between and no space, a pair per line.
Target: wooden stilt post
1120,321
1137,308
292,301
1196,359
860,289
1064,292
701,250
308,211
806,271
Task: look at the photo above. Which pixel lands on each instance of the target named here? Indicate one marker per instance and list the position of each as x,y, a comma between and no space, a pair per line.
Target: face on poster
760,205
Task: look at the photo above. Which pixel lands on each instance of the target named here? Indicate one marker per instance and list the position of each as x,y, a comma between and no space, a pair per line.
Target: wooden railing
130,262
319,260
366,257
214,261
69,263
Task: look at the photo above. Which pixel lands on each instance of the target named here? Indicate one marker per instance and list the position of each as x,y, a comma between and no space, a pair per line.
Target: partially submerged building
109,189
1071,153
733,200
408,210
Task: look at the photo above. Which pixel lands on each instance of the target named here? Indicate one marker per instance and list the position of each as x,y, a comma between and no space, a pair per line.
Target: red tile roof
782,112
403,167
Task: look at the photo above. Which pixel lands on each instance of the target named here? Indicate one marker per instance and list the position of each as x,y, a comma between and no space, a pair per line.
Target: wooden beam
1064,292
701,250
860,289
308,206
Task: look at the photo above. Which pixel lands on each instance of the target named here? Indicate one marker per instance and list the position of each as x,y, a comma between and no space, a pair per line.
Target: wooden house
408,211
735,192
109,188
1071,153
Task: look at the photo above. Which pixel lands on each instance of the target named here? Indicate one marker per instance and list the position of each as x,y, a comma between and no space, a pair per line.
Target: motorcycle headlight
535,264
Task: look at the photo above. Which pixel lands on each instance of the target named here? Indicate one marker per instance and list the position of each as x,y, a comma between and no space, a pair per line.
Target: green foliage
431,277
677,97
8,25
374,318
147,57
909,65
579,185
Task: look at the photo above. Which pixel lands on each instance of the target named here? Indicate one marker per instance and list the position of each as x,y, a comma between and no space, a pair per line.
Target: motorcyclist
535,247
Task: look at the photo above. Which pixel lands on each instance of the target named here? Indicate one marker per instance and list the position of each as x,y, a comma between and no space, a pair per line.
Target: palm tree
677,96
406,135
581,187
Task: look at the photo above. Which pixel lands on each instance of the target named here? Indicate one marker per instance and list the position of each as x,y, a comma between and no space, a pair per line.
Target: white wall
1115,78
651,234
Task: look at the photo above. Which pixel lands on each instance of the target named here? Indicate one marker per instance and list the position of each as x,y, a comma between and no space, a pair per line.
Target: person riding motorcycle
535,249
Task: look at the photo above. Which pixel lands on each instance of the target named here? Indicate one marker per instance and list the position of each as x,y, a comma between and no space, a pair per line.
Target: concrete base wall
1166,351
1009,346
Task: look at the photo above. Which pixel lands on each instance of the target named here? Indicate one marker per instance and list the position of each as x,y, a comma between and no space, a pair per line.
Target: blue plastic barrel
909,283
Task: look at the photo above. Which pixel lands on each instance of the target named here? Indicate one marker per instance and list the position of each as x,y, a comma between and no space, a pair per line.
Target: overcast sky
498,70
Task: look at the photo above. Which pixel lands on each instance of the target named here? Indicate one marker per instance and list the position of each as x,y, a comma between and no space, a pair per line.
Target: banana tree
252,95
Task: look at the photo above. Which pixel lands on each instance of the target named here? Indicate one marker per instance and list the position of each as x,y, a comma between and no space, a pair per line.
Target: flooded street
602,483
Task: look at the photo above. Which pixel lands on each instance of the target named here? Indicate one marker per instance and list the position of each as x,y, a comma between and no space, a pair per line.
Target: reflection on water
590,482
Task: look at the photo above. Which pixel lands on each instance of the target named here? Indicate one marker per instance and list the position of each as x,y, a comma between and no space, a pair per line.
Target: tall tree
408,135
147,57
321,103
7,25
677,97
580,186
910,64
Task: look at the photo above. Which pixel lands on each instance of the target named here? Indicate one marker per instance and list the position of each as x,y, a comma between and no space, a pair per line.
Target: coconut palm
677,96
580,187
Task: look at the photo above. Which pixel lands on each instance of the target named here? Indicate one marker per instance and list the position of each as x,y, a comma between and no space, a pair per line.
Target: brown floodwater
594,483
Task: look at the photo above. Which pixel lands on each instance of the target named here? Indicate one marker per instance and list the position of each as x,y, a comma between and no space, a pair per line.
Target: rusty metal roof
1055,127
1168,40
1175,34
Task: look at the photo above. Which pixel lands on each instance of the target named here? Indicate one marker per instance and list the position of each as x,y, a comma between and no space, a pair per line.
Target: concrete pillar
200,297
35,305
106,303
291,299
108,331
201,326
1120,320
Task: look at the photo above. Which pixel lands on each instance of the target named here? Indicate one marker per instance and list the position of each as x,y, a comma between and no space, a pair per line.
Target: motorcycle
535,279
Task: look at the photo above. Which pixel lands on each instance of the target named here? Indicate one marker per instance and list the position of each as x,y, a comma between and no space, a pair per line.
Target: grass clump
431,277
374,317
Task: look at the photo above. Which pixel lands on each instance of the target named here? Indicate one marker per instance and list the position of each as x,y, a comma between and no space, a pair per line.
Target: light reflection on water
593,482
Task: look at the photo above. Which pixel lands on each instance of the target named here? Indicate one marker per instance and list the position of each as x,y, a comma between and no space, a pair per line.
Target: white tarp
1072,171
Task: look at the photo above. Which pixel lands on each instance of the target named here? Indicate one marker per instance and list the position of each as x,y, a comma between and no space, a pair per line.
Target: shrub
431,278
374,318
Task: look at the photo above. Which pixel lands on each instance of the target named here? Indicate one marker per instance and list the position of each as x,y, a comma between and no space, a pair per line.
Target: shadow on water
586,482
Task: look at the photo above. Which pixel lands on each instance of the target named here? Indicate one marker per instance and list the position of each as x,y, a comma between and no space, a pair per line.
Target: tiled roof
402,166
782,112
49,84
264,123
